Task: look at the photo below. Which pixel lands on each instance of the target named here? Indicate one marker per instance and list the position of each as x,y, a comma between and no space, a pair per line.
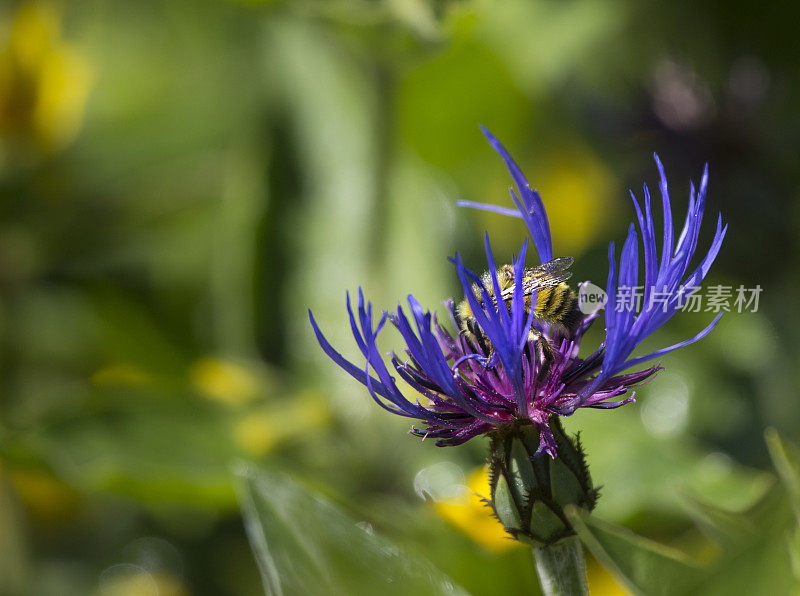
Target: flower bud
529,492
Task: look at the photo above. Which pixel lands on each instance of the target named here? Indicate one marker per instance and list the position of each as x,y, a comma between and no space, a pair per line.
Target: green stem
561,568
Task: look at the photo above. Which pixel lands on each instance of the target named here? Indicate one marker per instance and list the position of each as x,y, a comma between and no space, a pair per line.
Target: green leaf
761,543
786,459
646,476
767,562
761,565
728,528
304,544
644,566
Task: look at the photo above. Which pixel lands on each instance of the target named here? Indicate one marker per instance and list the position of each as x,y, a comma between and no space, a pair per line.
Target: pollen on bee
463,309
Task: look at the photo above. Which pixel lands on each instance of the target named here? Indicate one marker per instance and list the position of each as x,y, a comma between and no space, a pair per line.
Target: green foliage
644,566
759,545
305,545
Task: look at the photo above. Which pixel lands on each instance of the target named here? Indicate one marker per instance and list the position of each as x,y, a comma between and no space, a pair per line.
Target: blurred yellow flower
170,585
48,500
44,82
468,513
601,582
223,381
132,580
119,374
257,432
577,188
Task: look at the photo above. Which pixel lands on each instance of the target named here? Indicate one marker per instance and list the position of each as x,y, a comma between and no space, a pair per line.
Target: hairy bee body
556,303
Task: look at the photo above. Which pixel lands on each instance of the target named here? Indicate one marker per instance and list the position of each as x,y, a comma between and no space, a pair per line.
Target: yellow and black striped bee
556,303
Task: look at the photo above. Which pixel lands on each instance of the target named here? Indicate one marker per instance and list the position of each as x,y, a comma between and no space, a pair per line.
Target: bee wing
537,282
554,266
546,275
546,280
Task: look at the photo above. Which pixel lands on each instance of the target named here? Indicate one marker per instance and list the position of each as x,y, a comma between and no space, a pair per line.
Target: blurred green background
180,181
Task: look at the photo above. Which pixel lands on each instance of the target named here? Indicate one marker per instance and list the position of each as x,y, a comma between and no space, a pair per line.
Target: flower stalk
562,568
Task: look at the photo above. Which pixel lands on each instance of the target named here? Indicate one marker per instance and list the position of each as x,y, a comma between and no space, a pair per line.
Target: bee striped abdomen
544,301
557,304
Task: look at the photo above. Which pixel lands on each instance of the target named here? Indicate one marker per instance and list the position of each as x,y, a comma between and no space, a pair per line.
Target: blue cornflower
516,368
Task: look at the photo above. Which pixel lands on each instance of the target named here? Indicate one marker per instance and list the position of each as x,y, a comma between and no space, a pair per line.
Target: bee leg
472,326
492,360
544,354
480,338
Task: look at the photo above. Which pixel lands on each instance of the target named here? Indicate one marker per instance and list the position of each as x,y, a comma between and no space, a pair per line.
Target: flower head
504,362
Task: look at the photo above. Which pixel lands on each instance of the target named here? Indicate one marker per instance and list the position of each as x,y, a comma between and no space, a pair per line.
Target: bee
556,304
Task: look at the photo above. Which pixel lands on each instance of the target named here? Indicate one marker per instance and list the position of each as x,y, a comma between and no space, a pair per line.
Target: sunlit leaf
306,545
644,566
762,564
786,459
653,473
728,528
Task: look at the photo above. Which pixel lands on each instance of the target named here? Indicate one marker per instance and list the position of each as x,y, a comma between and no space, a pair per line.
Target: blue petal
428,353
349,367
662,351
492,208
365,338
668,246
626,330
506,332
531,208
